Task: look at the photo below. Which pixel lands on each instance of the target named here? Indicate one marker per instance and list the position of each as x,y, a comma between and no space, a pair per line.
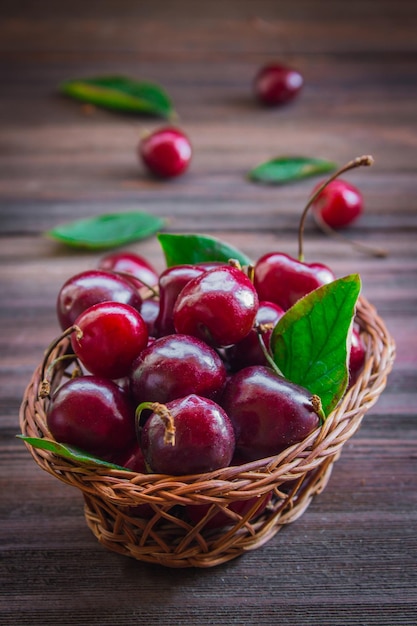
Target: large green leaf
310,343
195,248
281,170
108,230
69,452
120,94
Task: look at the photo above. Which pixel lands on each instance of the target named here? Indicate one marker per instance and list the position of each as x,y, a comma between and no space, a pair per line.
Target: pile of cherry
179,383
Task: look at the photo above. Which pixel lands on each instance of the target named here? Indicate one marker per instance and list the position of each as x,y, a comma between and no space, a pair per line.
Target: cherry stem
260,329
358,162
318,407
377,252
45,386
165,415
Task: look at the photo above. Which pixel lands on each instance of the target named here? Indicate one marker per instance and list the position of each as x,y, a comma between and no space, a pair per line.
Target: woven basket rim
233,482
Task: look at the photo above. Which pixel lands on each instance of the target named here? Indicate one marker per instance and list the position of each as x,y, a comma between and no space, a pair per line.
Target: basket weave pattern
165,535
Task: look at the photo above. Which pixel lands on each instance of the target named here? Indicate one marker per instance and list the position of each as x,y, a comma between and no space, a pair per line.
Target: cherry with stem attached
365,160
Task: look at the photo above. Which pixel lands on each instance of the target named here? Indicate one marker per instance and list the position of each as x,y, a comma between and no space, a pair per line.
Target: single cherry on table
338,205
166,152
276,84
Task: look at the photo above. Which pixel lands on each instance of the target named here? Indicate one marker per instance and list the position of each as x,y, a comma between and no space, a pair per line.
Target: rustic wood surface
351,558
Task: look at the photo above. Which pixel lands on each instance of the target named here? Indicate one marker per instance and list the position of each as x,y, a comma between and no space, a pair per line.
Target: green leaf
281,170
108,230
309,344
196,248
120,93
68,452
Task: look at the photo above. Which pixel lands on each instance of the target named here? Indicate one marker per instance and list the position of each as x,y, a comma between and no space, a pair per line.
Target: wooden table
351,558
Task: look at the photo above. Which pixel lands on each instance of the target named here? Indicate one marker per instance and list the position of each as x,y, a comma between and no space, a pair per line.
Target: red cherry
93,414
109,336
277,84
166,152
356,355
339,204
171,282
248,351
281,279
268,412
133,264
90,287
202,437
150,311
219,306
175,366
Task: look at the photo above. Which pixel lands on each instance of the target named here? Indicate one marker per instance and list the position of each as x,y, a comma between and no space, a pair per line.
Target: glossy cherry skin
204,438
283,280
83,290
277,84
175,366
356,355
339,204
171,282
248,351
166,152
93,414
150,311
132,266
219,306
109,336
268,412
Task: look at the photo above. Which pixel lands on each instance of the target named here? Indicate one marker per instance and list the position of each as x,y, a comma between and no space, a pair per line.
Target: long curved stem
358,162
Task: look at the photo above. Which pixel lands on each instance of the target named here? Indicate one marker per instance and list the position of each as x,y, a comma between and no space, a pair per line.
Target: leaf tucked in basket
120,94
69,452
310,342
195,248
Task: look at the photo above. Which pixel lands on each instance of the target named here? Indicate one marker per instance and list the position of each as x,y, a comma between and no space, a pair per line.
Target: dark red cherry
171,282
130,265
356,355
201,437
90,287
175,366
132,459
268,412
249,351
166,152
277,84
339,204
150,311
109,337
281,279
93,414
219,306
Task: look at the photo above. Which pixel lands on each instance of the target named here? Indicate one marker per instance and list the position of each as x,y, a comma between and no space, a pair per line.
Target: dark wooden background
351,558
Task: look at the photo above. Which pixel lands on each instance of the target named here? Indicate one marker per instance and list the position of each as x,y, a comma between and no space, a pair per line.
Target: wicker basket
165,535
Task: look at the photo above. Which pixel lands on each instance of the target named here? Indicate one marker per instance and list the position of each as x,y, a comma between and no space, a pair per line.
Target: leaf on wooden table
108,230
281,170
69,452
194,248
122,94
310,343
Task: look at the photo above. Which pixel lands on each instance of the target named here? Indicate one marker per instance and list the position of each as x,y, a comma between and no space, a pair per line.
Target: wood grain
351,558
